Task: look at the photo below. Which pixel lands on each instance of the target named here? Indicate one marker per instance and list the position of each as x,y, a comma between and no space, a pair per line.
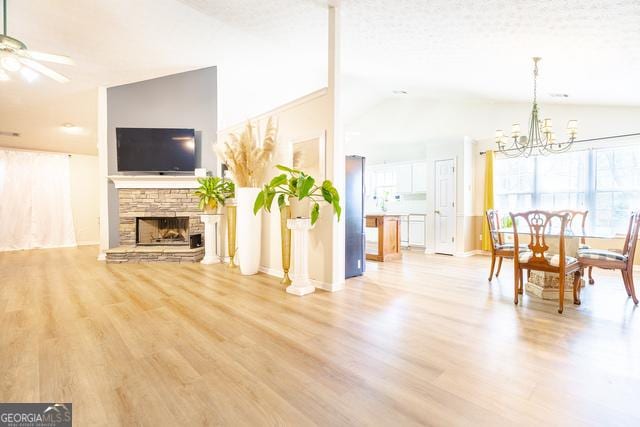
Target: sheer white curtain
35,201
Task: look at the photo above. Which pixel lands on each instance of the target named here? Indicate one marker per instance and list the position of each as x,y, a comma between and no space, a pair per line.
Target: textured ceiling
272,51
590,48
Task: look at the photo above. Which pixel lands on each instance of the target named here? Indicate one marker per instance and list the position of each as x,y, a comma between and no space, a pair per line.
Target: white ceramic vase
300,208
248,230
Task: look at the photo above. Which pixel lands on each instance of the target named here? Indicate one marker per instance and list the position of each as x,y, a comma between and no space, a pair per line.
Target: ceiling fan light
10,63
28,74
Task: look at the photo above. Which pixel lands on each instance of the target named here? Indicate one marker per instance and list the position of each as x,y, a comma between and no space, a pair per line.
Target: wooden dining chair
578,222
499,249
612,260
538,224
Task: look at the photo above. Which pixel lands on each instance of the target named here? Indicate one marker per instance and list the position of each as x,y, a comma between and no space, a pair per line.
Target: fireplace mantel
154,181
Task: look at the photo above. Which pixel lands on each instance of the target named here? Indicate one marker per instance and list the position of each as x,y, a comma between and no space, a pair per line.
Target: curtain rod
602,138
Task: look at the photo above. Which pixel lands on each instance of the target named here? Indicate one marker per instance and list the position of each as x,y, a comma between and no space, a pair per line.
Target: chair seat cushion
554,260
511,246
601,254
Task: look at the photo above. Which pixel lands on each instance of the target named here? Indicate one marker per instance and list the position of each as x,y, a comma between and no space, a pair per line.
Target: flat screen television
155,150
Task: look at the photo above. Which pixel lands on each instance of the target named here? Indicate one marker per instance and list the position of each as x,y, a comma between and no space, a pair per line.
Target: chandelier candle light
541,139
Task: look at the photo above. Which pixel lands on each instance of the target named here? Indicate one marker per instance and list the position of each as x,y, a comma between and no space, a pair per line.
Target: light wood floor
424,341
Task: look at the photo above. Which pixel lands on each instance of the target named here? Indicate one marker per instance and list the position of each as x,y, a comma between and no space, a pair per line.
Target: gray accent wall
184,100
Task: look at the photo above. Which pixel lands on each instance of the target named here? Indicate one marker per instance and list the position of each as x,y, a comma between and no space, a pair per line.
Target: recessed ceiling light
71,128
400,92
559,95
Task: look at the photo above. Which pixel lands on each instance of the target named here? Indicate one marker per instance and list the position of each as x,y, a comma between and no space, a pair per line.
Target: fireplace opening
162,231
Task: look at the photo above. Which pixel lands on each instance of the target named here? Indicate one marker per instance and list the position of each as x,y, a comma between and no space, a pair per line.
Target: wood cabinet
388,245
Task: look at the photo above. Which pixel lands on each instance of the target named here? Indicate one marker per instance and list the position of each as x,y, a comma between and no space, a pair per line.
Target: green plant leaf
337,208
307,185
281,200
315,213
326,194
287,169
259,203
278,180
269,200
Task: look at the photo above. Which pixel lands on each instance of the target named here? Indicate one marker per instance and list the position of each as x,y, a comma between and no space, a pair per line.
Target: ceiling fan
15,57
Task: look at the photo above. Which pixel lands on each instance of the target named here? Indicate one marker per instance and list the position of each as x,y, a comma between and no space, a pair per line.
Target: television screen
155,150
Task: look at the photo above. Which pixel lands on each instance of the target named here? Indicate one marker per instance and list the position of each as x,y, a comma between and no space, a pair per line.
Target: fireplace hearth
162,231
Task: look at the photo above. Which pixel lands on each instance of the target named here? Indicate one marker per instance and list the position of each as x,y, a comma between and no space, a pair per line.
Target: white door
445,210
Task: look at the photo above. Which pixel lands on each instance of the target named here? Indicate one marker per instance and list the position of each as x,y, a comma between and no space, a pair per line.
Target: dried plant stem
247,160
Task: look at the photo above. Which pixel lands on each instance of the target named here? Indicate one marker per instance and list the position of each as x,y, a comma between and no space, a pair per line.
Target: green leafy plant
214,190
297,184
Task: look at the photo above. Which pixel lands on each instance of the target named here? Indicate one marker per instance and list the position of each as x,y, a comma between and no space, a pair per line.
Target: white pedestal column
301,285
212,249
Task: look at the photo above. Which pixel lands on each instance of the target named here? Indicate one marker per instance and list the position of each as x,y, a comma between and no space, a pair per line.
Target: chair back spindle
629,248
494,225
537,224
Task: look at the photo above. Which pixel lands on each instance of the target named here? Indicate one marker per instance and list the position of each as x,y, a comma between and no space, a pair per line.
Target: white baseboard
329,287
470,253
275,272
102,256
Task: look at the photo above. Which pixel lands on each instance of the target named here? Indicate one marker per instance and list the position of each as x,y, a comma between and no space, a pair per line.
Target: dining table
545,284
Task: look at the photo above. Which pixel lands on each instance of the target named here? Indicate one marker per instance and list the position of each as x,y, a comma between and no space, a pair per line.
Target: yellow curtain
488,199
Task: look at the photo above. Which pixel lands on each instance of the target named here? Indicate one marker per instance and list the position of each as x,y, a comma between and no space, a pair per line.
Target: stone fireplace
155,225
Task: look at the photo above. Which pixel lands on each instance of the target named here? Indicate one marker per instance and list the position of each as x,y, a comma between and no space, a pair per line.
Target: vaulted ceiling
271,51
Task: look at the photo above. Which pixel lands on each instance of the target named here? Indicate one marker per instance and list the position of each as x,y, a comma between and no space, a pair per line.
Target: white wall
298,120
85,198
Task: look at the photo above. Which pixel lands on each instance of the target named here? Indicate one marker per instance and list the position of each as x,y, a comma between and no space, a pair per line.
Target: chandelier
541,139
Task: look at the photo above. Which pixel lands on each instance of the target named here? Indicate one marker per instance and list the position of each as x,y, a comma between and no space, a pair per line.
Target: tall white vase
248,230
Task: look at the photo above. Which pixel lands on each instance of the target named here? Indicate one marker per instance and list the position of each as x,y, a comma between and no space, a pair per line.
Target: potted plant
299,190
247,161
213,192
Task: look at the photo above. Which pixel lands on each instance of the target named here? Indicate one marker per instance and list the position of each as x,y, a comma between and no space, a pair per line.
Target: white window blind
604,181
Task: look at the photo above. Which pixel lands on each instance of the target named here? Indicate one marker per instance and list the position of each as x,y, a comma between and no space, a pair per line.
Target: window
604,181
617,184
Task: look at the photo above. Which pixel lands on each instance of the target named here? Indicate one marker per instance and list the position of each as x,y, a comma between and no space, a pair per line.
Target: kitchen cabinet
403,178
416,230
388,229
404,231
419,177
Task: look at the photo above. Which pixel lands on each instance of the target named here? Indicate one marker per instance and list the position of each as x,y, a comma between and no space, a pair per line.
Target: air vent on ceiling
4,133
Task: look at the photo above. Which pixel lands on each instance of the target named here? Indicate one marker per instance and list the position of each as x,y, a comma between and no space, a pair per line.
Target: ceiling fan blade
46,57
42,69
